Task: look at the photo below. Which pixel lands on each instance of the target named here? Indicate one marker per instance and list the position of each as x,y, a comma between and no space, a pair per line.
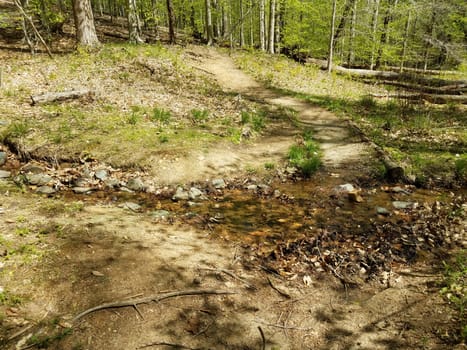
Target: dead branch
231,274
20,8
163,343
283,327
59,96
263,339
284,294
153,298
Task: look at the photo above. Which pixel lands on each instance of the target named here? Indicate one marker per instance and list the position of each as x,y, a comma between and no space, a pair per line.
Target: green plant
9,299
163,139
199,115
133,118
258,122
245,117
455,289
160,115
305,156
17,129
367,102
269,166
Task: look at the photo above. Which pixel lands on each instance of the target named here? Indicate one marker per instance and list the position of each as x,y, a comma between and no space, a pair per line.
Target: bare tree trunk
262,26
242,26
225,20
351,57
134,26
345,14
277,34
209,32
25,26
272,22
252,34
84,23
373,34
331,37
406,40
384,35
171,18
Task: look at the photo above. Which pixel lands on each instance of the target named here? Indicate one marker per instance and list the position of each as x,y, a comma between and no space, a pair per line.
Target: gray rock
82,190
4,174
3,158
251,187
38,179
345,188
112,183
403,205
382,211
180,195
132,206
136,184
101,174
277,193
291,170
195,193
32,168
218,183
160,214
47,190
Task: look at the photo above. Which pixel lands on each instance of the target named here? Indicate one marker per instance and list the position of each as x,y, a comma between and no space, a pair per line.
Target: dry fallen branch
163,343
231,274
59,96
283,293
283,327
153,298
263,338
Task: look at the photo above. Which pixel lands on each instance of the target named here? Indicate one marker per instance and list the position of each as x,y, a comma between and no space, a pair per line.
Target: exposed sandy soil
105,253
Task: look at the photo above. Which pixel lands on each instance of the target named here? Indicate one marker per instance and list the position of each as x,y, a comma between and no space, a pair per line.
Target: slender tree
262,26
331,36
272,22
171,20
134,24
209,29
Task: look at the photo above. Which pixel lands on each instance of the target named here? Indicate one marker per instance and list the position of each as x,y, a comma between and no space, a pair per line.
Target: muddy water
284,212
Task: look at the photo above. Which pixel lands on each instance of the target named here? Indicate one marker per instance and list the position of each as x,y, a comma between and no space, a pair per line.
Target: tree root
153,298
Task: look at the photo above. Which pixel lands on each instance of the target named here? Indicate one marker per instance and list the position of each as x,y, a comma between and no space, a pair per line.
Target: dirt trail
340,146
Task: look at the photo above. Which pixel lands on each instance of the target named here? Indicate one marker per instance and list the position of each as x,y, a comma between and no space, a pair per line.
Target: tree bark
242,26
59,96
171,18
84,23
262,26
351,56
134,27
209,31
272,22
331,37
349,4
373,33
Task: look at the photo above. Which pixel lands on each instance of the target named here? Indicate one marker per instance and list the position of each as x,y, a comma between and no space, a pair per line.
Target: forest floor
161,185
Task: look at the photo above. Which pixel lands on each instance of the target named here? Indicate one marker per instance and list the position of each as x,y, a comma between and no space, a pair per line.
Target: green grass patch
305,156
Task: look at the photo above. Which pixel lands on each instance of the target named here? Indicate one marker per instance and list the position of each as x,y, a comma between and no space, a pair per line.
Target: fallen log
60,96
388,75
435,99
454,89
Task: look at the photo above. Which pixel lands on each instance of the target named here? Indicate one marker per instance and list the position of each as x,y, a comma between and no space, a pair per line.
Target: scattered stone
277,193
193,204
82,190
382,211
399,189
246,132
403,205
125,189
195,193
160,214
32,168
112,183
180,195
97,274
132,206
355,197
38,179
3,158
291,170
136,184
218,184
4,174
345,188
251,187
47,190
101,174
80,182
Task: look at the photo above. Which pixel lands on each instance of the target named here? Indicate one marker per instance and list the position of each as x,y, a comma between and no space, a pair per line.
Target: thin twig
231,274
263,339
139,312
153,298
20,8
284,327
284,294
180,346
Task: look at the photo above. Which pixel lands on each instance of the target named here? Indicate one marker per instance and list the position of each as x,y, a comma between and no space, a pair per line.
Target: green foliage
305,156
10,299
160,115
455,289
16,130
199,115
